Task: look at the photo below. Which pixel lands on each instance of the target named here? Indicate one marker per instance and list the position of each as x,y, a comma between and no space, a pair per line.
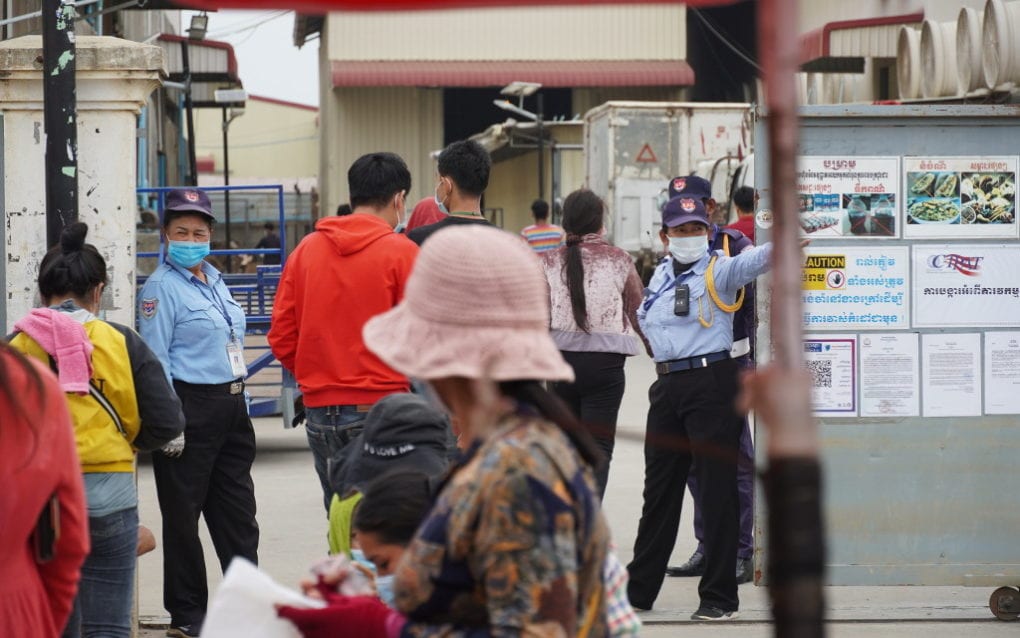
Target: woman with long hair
594,294
120,402
515,541
42,490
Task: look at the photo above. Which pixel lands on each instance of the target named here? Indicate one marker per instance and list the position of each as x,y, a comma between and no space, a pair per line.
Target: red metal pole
778,47
796,542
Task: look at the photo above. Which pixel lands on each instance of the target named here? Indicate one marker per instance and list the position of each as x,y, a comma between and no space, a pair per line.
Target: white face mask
687,250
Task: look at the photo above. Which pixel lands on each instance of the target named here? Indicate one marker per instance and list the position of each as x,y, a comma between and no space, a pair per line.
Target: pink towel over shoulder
65,340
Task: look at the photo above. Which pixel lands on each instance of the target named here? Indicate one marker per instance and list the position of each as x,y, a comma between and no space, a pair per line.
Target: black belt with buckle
230,387
691,363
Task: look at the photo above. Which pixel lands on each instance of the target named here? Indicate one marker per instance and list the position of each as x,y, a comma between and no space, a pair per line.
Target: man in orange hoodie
351,269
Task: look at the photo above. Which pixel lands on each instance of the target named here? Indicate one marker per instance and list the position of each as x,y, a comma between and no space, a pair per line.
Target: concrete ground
293,528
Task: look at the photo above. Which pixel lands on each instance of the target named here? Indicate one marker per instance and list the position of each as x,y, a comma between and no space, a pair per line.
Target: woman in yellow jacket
120,402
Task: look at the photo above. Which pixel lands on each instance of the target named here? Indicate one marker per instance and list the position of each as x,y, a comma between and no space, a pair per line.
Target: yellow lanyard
714,294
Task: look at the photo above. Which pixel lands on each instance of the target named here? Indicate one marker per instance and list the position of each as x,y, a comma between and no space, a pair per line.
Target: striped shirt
543,237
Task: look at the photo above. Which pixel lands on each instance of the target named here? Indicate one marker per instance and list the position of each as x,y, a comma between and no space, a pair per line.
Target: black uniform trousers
211,478
594,396
691,416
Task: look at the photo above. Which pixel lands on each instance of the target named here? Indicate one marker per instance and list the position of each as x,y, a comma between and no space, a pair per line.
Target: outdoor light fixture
521,90
516,110
227,96
199,26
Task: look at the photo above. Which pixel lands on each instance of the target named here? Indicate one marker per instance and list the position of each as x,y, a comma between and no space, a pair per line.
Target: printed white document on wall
966,285
1002,372
951,374
832,362
890,375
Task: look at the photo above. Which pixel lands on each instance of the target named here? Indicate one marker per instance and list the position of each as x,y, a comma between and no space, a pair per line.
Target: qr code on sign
821,373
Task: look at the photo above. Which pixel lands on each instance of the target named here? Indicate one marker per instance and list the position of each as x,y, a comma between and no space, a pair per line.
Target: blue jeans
329,430
102,608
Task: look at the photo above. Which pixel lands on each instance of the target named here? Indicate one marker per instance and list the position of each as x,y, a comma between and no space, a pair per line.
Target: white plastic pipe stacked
938,59
1001,55
908,63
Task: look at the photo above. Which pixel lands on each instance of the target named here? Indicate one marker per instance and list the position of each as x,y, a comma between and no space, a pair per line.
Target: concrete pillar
114,78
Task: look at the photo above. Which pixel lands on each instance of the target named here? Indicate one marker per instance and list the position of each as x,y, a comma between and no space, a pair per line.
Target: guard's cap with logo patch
189,200
684,210
690,186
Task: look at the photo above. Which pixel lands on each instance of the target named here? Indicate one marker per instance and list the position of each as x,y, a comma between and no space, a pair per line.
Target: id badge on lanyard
235,353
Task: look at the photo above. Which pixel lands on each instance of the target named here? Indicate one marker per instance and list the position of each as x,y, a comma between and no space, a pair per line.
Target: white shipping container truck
633,149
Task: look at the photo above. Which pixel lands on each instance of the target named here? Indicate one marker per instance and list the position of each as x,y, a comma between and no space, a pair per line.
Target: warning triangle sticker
646,155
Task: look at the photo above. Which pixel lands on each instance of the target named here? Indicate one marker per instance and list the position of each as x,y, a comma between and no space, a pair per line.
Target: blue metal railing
256,293
161,192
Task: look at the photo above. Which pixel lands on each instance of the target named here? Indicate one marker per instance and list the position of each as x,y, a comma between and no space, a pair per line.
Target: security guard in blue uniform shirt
191,321
731,242
687,316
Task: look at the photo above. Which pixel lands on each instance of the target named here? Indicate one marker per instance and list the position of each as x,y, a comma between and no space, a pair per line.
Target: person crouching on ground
470,567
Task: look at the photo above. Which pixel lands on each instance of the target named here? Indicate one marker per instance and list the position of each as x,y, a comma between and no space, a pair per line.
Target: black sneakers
184,631
745,572
713,613
695,566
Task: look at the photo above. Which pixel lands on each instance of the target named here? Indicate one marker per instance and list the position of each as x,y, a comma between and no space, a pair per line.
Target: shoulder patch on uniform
148,307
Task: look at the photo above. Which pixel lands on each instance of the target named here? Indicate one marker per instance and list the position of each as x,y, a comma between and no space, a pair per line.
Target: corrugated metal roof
478,73
606,32
210,60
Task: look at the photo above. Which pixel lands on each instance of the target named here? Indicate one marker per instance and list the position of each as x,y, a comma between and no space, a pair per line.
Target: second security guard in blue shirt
687,317
190,320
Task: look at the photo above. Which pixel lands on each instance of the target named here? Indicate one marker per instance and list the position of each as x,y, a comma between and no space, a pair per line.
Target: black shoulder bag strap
100,398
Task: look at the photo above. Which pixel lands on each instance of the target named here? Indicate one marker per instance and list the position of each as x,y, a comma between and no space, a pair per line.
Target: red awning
558,73
325,6
814,45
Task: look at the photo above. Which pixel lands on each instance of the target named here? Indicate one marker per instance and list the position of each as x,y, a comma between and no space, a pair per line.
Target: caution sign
824,272
856,288
646,154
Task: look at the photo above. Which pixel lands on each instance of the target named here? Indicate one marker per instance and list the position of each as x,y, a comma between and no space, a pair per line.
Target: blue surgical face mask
402,219
187,254
358,557
439,202
384,587
383,584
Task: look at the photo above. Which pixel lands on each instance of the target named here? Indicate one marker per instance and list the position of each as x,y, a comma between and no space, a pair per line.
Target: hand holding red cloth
362,616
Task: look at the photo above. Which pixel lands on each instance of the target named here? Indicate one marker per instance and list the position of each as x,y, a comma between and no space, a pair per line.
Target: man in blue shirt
731,242
191,321
687,316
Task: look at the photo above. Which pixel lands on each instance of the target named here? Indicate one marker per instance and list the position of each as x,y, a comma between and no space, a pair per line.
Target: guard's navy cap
683,210
690,186
189,200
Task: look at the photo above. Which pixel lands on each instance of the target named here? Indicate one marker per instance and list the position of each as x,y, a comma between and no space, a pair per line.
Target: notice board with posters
911,319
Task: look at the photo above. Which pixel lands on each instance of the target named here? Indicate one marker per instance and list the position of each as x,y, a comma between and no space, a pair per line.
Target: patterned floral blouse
515,543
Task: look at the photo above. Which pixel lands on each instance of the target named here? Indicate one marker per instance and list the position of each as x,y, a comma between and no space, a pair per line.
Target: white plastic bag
243,605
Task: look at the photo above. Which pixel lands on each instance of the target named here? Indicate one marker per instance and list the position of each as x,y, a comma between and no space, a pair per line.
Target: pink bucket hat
475,306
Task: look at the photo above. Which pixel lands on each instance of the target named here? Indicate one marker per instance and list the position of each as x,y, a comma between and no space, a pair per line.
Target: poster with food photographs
959,197
848,197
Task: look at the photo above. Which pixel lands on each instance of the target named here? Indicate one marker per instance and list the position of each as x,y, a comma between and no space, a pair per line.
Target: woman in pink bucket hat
516,539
